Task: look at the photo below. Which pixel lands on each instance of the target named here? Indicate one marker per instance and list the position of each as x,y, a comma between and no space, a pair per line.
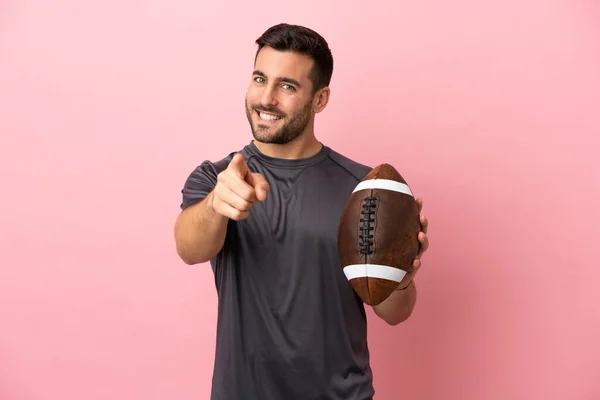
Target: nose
269,98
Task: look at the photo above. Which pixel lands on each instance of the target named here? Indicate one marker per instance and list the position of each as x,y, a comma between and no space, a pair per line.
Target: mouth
265,116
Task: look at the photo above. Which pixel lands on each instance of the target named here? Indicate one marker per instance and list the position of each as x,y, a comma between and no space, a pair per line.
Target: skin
279,86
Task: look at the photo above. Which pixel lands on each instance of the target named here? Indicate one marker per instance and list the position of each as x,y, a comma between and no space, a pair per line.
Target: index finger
419,203
238,165
424,223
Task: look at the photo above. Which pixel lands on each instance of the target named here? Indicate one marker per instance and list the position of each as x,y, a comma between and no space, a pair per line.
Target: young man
290,326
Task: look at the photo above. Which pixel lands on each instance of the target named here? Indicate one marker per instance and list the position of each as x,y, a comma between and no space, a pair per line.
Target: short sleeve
199,184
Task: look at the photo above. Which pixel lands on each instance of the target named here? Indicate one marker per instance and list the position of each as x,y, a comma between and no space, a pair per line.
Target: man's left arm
401,303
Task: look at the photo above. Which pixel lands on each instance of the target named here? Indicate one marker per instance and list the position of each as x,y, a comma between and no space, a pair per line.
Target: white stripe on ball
374,271
385,184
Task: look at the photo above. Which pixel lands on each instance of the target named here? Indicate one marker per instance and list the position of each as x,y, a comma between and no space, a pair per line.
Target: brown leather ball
378,234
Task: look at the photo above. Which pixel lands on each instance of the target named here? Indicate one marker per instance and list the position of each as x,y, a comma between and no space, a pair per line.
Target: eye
288,87
259,79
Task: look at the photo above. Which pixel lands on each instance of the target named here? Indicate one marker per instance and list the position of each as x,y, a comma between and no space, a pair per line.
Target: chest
287,247
302,211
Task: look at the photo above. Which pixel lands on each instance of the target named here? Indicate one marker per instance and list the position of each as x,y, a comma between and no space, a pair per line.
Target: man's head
290,83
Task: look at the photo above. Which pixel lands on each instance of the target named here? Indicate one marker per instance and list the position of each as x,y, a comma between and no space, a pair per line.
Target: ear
321,99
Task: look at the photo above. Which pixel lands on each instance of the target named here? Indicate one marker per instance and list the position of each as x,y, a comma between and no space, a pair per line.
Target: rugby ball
378,234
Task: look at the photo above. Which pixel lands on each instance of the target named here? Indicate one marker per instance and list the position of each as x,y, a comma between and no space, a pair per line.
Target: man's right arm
200,232
200,229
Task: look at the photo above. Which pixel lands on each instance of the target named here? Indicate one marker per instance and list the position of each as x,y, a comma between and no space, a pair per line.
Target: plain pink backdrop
490,109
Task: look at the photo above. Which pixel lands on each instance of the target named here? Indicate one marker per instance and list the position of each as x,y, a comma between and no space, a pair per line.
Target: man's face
279,100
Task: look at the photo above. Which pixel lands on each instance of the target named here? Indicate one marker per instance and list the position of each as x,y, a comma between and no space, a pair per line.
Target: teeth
268,116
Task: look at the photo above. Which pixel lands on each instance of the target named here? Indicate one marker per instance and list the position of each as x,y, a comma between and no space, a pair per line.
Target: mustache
271,110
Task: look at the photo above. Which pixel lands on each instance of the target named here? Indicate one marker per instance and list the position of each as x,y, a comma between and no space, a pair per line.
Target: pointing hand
237,190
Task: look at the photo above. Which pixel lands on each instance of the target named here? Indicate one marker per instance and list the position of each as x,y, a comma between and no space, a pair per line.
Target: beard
286,132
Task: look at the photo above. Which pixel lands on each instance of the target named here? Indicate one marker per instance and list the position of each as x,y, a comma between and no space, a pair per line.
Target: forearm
398,306
200,232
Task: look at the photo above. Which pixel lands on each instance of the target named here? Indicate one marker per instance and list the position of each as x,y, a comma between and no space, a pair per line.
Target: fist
237,190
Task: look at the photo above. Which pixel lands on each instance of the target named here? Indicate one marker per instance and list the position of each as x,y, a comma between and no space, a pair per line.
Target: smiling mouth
267,117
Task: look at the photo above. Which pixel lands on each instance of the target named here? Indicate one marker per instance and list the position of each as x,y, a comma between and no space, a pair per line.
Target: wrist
405,287
210,202
214,214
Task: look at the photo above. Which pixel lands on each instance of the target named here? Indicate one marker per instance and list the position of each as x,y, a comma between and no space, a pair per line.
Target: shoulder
213,167
203,178
352,167
209,169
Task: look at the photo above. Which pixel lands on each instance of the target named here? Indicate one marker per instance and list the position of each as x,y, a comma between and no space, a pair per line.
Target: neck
302,147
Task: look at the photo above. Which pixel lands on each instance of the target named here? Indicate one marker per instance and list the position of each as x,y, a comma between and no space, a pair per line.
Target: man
290,326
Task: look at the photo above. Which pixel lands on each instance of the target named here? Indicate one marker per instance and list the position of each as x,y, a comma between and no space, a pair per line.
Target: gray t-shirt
290,326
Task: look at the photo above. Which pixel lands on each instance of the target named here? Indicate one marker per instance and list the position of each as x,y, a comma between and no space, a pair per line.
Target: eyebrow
281,79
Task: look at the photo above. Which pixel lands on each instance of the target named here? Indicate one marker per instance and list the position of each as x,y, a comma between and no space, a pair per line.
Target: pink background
490,109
